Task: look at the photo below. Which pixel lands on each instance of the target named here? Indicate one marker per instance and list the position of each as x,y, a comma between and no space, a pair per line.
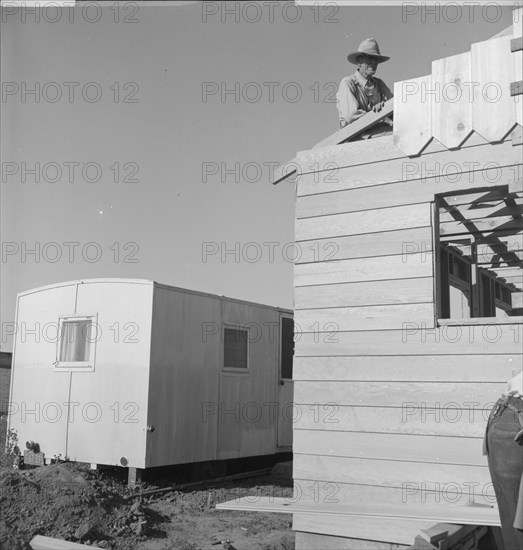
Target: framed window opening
236,349
76,344
479,255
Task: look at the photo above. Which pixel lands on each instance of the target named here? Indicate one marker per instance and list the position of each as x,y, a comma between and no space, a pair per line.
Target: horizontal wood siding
387,403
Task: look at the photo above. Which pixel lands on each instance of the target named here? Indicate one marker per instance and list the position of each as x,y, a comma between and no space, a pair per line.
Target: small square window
235,349
76,343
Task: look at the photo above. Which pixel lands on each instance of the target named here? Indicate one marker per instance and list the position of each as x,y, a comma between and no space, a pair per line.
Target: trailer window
479,253
77,337
235,352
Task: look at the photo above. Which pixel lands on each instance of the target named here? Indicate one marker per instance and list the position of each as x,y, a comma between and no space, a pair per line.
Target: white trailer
134,373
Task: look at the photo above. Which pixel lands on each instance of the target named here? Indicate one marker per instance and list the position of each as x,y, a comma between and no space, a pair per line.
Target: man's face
367,65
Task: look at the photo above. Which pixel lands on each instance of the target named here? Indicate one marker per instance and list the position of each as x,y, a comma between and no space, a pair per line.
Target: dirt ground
72,502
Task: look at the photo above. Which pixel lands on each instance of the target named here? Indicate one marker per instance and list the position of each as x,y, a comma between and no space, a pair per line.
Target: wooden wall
391,408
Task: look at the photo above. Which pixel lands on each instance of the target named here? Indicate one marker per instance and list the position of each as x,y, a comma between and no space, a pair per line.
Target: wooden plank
434,166
352,130
412,115
452,108
39,542
493,110
370,221
395,394
364,269
378,317
490,196
481,225
412,418
406,291
387,243
391,473
401,447
405,368
401,193
416,340
473,212
469,515
449,496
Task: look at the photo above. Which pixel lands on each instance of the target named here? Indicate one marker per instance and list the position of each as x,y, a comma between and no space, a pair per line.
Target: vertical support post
134,476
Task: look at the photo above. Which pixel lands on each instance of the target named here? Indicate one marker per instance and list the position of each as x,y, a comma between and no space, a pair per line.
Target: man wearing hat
362,92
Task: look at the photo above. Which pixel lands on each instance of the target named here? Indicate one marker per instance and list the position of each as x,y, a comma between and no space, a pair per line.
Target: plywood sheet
493,108
452,108
412,114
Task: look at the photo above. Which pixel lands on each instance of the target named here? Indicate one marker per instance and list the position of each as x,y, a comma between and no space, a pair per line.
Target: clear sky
202,155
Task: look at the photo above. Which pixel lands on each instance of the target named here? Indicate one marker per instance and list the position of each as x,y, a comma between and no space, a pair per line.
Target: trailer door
286,387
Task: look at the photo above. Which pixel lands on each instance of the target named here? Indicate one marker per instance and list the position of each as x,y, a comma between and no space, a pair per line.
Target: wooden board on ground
49,543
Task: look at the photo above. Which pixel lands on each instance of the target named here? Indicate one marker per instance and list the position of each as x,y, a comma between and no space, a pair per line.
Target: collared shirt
515,386
358,95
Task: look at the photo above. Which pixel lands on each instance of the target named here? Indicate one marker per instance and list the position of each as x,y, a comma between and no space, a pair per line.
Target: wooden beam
352,130
285,170
347,133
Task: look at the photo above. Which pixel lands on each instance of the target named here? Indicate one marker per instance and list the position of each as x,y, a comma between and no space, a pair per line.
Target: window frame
476,298
76,366
236,370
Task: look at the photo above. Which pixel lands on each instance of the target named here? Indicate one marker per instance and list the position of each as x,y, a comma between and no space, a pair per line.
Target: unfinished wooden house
408,300
134,373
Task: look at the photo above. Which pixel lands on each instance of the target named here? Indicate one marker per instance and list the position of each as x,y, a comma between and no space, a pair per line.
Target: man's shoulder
349,81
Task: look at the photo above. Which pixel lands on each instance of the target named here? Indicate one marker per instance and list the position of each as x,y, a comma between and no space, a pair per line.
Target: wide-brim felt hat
368,47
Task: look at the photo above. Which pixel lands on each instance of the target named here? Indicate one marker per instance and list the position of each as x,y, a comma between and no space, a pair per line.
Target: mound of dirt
70,502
